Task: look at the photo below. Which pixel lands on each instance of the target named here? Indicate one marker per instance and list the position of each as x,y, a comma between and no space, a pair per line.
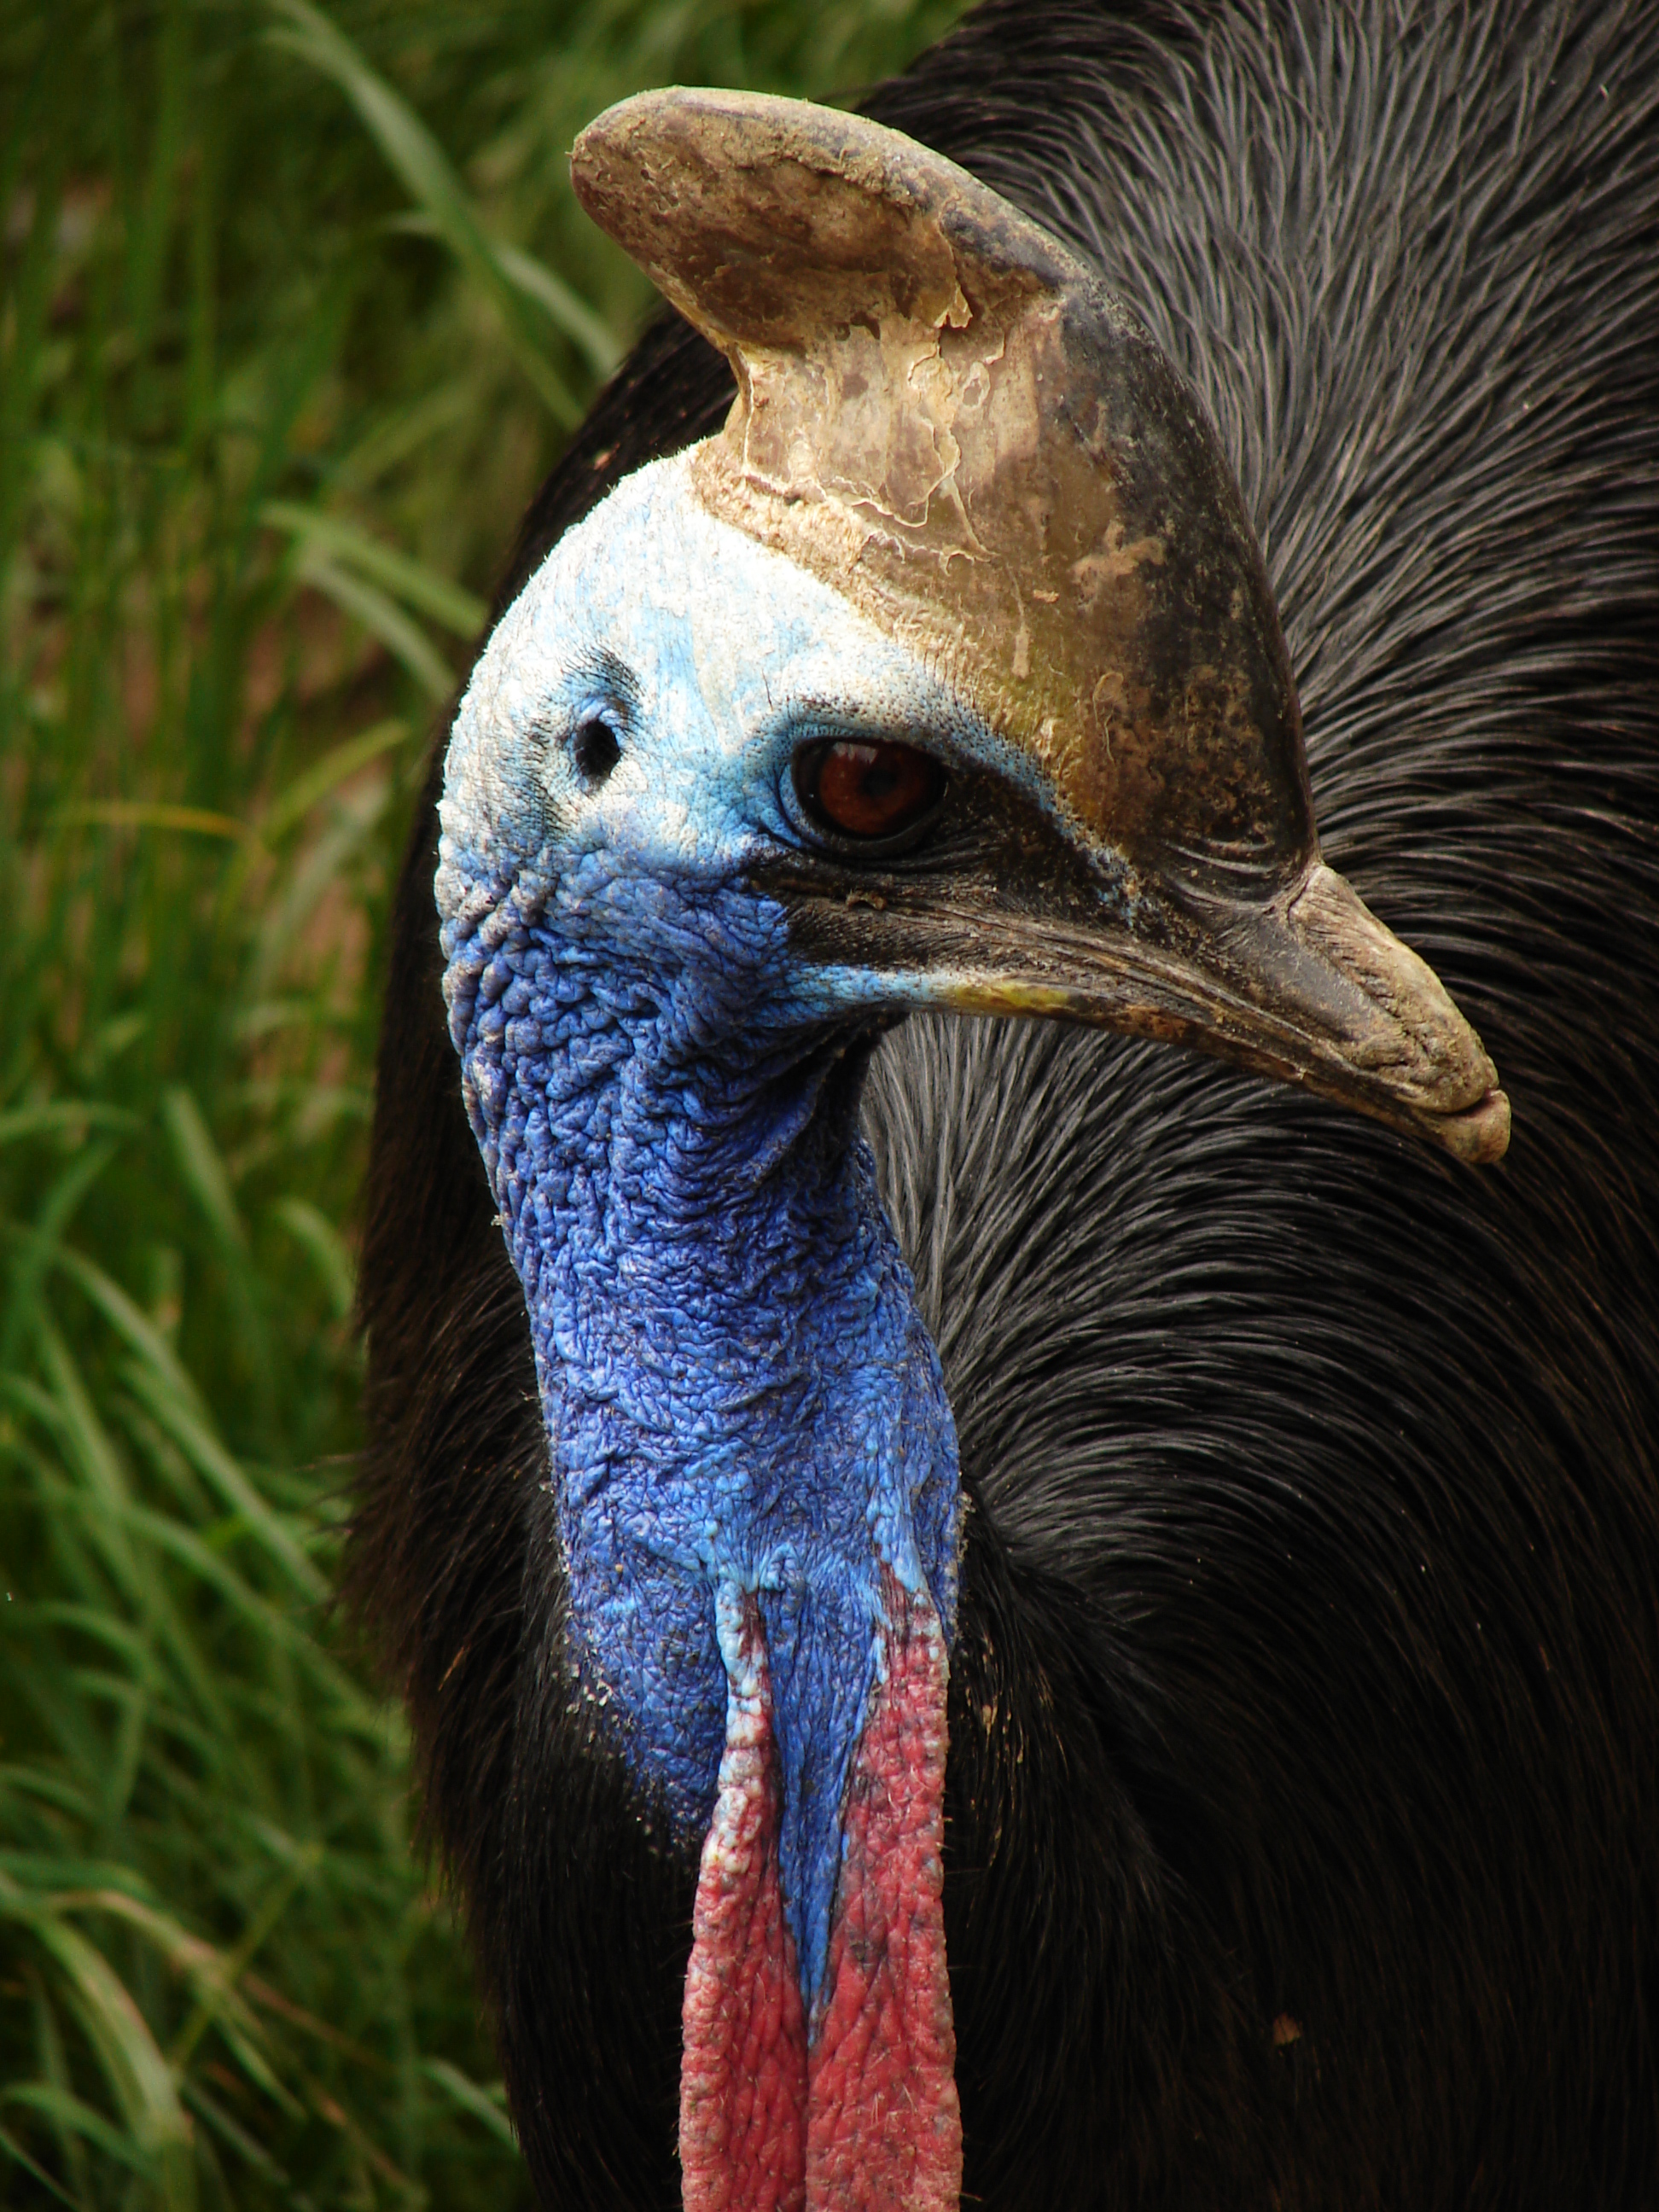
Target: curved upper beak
1309,988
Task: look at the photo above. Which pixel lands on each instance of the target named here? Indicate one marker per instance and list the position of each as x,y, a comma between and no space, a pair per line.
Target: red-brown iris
873,791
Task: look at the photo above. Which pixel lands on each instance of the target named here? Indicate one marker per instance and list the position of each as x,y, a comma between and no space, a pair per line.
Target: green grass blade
175,1404
537,282
427,175
70,2115
325,1248
471,2098
340,541
381,618
203,1167
327,775
152,814
67,1117
195,1439
32,2092
561,306
136,2073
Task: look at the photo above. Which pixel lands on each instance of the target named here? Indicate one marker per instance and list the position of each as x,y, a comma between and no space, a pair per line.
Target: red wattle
865,2118
743,2065
883,2127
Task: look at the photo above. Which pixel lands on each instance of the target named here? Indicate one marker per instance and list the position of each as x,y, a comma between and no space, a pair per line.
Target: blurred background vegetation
296,309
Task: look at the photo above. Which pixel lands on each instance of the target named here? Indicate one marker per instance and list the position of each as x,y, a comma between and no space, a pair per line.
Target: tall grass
296,308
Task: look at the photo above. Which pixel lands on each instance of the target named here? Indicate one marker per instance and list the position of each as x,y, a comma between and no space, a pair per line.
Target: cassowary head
947,675
956,645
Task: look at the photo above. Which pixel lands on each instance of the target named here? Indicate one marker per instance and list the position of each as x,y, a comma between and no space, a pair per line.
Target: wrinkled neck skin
744,1411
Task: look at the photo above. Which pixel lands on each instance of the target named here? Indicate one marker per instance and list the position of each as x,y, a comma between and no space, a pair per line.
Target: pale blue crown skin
739,1393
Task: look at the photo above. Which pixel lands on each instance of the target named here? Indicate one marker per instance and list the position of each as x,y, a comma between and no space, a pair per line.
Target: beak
1310,989
1305,986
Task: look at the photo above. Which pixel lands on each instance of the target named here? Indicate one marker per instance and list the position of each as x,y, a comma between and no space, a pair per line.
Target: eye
594,749
874,792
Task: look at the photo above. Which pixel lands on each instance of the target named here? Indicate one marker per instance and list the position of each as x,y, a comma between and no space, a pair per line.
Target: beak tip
1402,1027
1479,1135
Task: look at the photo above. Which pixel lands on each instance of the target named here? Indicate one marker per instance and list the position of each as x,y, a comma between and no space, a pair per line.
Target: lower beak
1309,988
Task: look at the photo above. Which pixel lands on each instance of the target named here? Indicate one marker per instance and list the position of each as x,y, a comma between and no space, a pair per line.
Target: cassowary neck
746,1417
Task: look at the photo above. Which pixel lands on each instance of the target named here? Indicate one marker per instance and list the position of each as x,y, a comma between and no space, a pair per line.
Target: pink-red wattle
743,2064
859,2114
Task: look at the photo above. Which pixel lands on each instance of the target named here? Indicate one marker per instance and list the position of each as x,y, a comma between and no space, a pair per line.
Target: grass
296,308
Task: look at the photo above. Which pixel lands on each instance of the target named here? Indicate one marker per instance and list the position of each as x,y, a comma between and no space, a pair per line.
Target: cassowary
990,1605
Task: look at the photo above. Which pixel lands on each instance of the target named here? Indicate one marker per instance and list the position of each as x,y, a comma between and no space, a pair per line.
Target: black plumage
1304,1801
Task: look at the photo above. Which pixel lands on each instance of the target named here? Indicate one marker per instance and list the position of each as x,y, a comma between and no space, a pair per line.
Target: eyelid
599,705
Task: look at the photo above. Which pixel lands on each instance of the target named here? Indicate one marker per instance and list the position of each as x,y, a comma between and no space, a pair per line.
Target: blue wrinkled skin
737,1388
739,1395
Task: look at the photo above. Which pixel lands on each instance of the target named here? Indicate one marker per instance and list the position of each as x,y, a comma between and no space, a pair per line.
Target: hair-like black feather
1303,1800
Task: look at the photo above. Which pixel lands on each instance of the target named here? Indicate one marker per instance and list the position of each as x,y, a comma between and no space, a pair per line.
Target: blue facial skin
739,1395
737,1387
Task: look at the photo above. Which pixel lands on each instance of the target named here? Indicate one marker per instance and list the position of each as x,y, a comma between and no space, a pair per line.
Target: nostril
594,749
